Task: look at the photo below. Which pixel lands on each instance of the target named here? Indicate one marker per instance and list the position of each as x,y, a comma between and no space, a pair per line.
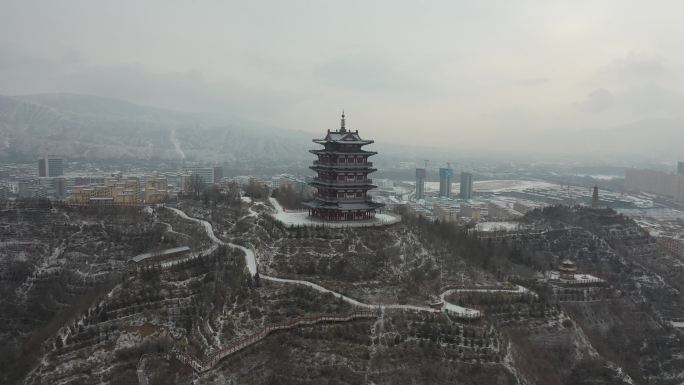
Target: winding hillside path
373,310
250,258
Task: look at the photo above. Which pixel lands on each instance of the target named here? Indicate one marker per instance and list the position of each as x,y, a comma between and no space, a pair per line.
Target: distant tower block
342,183
50,166
420,183
680,168
445,175
595,198
466,185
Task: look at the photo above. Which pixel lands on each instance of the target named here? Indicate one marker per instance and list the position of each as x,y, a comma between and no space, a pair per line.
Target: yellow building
184,185
125,191
156,189
472,212
116,190
83,195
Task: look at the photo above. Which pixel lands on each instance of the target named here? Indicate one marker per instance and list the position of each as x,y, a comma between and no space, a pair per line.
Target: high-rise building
29,189
205,174
56,188
342,182
656,182
50,167
421,173
466,185
42,167
680,168
218,174
445,175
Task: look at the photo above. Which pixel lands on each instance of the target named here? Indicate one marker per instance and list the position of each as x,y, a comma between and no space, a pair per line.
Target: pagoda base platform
301,218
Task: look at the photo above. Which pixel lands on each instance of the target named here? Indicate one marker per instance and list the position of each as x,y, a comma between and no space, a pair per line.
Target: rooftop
343,136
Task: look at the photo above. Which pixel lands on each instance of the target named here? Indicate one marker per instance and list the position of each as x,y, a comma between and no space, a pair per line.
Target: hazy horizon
446,74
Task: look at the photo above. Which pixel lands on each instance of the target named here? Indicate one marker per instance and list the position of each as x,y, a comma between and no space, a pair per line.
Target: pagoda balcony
342,165
336,199
335,182
343,152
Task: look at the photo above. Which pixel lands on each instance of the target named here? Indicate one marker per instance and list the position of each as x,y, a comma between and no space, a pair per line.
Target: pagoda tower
342,183
595,198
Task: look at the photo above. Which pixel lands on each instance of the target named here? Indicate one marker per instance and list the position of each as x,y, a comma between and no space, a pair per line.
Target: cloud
653,100
531,82
596,101
190,91
635,68
366,72
634,86
638,102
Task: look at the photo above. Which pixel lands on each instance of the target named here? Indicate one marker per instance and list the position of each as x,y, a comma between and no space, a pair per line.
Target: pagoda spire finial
342,128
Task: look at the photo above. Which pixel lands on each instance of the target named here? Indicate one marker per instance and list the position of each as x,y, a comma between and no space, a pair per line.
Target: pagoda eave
359,142
342,168
358,152
366,186
343,206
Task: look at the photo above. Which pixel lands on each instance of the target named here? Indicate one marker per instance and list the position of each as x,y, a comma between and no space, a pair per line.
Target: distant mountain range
90,127
85,127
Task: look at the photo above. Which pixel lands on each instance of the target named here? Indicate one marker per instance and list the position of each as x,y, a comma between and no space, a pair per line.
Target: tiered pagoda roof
342,182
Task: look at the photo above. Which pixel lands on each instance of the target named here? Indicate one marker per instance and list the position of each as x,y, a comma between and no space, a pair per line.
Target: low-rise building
470,211
445,212
499,211
117,190
156,189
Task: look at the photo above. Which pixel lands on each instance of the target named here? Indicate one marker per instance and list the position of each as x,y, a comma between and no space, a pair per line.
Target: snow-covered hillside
91,127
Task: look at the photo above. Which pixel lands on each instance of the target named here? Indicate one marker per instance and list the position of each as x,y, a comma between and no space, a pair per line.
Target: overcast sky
431,72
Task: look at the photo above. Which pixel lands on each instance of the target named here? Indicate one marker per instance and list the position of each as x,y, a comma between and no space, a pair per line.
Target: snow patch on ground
497,226
128,340
301,218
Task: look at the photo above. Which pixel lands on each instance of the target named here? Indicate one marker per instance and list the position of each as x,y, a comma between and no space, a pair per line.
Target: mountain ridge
89,127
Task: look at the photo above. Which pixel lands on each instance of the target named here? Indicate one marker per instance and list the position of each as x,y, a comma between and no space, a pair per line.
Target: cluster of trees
453,242
213,194
257,190
39,203
290,197
52,302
